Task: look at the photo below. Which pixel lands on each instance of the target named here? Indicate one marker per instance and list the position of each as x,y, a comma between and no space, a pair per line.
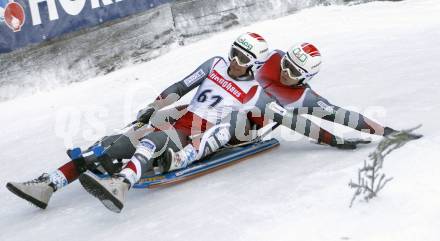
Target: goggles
293,72
243,58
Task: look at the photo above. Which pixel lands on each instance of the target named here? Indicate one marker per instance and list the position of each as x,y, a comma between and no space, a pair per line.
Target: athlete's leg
111,191
151,148
235,127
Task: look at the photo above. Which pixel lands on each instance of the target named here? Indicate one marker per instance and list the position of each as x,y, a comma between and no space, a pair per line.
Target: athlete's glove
145,114
389,132
351,144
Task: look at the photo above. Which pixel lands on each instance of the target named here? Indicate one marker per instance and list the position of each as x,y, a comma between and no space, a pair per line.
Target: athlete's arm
270,110
173,93
320,107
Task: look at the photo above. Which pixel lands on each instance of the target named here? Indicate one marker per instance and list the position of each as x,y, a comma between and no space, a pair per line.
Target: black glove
414,136
351,144
145,114
388,131
408,133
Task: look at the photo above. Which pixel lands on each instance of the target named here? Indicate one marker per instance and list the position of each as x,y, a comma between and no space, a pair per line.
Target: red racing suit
304,100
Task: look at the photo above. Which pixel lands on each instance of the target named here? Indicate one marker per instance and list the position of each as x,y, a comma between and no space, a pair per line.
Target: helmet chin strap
301,82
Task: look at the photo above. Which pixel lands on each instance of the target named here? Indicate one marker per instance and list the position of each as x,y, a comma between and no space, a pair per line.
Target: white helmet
302,62
249,49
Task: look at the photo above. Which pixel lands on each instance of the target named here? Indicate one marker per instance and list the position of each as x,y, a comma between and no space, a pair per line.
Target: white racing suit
220,102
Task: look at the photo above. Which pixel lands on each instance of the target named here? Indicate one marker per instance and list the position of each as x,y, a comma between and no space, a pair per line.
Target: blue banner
24,22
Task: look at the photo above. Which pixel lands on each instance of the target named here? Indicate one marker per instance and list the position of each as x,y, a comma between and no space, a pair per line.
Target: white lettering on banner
35,11
95,3
73,7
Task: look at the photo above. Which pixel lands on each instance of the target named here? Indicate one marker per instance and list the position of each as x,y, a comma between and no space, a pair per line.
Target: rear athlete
285,77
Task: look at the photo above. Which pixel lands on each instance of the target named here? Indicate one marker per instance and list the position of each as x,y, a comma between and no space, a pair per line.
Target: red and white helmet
249,49
302,61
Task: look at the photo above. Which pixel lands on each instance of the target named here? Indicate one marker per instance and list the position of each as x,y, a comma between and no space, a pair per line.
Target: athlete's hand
407,134
388,131
145,114
351,144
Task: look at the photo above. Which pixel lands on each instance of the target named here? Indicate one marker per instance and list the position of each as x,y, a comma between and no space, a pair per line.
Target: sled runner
96,161
221,159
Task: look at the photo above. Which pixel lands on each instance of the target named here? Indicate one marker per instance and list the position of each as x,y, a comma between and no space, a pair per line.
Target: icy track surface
379,58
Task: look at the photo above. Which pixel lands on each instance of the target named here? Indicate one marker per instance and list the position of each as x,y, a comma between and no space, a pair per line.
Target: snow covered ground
380,58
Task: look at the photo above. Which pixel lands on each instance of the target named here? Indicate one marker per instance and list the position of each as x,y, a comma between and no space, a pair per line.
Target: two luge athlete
249,88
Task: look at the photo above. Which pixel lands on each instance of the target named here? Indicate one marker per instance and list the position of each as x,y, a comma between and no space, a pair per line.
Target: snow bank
97,51
380,58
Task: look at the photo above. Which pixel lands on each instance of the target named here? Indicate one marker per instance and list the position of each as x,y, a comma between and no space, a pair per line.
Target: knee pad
213,139
144,154
146,149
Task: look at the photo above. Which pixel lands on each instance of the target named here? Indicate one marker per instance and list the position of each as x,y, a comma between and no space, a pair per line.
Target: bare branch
371,179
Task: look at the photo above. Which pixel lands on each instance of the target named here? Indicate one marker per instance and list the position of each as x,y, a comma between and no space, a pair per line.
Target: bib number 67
205,95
